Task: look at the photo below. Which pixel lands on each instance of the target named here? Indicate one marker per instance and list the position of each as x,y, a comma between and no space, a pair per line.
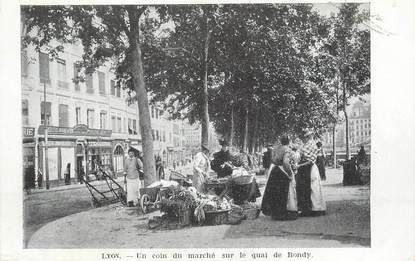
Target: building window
124,124
130,127
157,113
44,68
102,120
118,89
25,112
164,136
157,135
62,73
119,124
78,115
135,126
152,133
48,113
63,115
76,70
113,123
112,83
24,63
90,118
89,83
152,112
101,82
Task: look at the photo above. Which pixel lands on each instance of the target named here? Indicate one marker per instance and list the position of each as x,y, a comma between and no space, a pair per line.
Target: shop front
119,149
29,145
72,152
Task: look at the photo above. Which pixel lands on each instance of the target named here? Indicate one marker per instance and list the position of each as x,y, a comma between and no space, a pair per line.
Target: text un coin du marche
209,255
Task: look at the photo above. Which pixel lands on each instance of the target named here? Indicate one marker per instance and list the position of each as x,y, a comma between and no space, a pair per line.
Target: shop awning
137,147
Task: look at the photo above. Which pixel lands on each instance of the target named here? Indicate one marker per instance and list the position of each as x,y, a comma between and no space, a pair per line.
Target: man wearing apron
201,166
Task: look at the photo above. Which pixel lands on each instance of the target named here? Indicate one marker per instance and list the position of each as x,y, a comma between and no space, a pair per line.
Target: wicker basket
185,217
243,180
219,217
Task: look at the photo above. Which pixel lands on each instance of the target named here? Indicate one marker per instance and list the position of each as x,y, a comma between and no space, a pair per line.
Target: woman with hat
309,192
201,166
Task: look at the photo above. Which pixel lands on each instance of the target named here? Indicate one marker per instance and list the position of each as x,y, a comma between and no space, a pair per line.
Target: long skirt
274,202
198,182
309,193
321,167
133,190
318,204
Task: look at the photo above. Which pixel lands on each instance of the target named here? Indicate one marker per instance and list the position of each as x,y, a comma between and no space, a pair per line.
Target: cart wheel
95,203
144,202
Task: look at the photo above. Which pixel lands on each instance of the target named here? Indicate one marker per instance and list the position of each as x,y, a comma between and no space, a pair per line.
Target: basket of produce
180,205
217,217
242,177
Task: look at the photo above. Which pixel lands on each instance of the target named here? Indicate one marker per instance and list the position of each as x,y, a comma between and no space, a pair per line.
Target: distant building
193,138
359,129
89,122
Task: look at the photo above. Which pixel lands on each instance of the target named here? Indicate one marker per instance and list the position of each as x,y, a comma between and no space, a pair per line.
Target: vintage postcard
208,130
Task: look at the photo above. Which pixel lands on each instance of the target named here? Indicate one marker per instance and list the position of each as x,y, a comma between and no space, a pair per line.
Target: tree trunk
142,99
205,116
245,141
334,146
346,117
254,133
232,129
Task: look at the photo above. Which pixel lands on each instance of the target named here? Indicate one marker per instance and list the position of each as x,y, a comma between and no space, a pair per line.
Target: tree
107,33
349,46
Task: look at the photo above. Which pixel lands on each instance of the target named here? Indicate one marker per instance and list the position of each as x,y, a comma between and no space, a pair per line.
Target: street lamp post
46,137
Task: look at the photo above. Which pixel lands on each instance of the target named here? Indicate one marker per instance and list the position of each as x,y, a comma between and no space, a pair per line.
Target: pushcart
106,192
151,197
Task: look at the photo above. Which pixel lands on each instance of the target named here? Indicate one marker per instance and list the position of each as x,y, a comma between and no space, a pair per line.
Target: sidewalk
347,224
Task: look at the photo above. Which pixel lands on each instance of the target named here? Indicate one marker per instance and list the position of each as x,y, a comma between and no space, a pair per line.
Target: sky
327,8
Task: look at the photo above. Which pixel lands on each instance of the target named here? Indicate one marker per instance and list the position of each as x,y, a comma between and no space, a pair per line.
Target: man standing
132,167
200,168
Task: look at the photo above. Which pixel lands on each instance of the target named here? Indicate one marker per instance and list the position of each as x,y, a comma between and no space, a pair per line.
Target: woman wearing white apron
309,193
201,166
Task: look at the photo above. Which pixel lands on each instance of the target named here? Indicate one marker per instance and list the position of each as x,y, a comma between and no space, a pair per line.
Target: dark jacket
219,158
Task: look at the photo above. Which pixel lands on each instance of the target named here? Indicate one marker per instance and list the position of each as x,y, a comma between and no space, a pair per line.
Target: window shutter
24,63
89,83
63,115
75,77
101,78
112,87
44,67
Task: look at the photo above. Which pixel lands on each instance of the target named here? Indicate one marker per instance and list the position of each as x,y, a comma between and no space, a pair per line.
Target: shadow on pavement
347,222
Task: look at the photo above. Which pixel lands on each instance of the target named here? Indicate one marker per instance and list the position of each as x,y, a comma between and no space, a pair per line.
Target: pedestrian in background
321,160
266,159
132,167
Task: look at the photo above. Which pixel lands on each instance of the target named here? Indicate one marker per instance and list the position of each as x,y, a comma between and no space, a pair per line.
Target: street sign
28,132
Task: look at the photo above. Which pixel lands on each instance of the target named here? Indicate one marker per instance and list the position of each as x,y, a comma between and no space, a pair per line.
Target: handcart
112,192
151,197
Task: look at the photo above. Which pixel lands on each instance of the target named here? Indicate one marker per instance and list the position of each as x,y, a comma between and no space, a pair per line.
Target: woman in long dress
275,202
309,193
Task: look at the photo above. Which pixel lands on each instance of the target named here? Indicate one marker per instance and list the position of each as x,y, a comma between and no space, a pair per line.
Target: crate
219,217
